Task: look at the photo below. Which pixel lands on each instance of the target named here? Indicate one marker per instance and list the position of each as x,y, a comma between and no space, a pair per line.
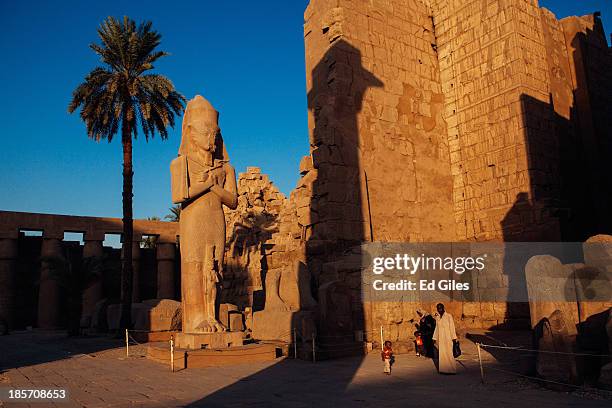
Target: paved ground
97,374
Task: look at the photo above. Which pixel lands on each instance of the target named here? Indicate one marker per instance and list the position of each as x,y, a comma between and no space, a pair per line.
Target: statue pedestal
196,341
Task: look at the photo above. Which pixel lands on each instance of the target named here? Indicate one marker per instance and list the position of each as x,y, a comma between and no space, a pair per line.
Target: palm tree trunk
128,228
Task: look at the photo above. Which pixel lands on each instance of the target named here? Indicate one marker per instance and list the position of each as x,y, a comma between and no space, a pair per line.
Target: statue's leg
191,290
202,325
212,272
208,280
273,299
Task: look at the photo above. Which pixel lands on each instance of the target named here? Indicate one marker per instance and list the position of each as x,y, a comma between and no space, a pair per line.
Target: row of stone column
8,265
49,289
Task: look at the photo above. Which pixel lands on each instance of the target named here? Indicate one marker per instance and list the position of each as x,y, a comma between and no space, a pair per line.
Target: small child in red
387,355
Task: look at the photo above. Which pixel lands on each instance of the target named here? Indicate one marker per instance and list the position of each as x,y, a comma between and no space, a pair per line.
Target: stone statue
202,182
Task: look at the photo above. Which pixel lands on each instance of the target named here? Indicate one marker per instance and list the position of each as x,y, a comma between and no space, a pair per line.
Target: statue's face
203,134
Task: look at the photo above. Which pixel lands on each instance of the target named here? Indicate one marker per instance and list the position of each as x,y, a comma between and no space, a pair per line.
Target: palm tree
175,213
122,95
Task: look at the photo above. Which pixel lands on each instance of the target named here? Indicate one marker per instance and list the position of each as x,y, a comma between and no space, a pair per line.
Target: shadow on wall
339,203
591,147
570,194
569,147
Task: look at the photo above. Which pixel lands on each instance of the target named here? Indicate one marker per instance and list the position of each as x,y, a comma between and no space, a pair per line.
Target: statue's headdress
200,108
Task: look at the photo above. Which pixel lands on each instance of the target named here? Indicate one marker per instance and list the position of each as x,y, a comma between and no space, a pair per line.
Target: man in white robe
444,336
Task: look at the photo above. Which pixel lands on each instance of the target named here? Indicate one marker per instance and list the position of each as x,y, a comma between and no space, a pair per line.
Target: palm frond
120,91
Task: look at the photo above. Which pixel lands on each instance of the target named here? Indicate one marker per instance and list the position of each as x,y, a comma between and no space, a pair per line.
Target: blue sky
246,57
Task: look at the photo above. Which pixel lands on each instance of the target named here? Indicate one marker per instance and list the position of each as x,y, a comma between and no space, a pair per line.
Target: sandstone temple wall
493,68
402,93
377,134
519,120
443,120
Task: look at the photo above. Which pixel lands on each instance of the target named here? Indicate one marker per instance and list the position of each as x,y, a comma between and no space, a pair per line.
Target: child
419,346
387,355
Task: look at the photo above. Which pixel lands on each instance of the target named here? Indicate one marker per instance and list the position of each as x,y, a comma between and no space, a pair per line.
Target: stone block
157,315
556,334
278,324
222,340
248,318
487,310
294,288
224,311
598,252
150,315
306,164
550,288
236,322
605,377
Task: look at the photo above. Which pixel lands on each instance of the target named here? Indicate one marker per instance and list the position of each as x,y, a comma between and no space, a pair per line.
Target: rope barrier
340,349
328,345
338,336
128,338
489,367
239,354
537,378
135,341
544,351
102,352
139,331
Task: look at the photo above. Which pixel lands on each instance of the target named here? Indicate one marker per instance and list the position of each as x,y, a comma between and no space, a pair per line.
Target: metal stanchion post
172,353
382,339
480,363
127,344
314,358
294,343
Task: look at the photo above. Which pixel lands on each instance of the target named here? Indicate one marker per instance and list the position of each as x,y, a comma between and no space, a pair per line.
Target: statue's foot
210,326
276,303
204,327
